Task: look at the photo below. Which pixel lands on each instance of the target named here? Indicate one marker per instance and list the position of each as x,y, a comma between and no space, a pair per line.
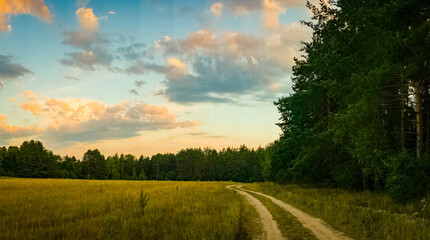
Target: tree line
242,164
359,117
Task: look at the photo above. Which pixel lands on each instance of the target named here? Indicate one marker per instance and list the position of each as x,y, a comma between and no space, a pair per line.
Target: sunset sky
145,76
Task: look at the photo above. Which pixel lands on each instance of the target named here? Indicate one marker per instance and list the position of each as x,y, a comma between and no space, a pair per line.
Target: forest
32,160
358,117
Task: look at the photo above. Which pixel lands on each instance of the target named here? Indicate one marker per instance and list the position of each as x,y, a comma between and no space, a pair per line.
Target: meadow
359,214
94,209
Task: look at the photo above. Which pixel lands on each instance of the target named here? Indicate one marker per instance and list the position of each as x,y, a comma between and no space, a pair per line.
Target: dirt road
317,226
270,228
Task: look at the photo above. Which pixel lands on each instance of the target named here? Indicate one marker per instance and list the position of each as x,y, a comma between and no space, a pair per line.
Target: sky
146,76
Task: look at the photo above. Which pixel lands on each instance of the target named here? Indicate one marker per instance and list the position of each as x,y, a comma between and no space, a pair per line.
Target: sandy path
270,228
317,226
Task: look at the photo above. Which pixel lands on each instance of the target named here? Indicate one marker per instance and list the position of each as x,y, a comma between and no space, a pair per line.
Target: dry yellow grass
82,209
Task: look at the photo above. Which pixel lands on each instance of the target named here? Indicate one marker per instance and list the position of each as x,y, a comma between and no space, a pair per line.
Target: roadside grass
361,215
91,209
250,222
287,223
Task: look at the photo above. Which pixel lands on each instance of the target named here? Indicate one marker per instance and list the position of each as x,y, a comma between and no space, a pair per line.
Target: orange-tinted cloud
216,9
87,20
88,29
178,68
271,11
7,131
86,120
15,7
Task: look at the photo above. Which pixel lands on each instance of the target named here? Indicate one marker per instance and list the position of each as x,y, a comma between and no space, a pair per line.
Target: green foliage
94,164
354,105
347,175
407,179
237,164
36,161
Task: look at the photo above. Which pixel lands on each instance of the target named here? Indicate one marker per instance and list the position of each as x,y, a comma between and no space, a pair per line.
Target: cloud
245,7
88,22
216,79
271,11
8,132
133,91
88,60
225,67
29,95
174,67
139,83
132,52
216,9
86,120
112,12
14,7
71,78
203,39
9,70
88,30
82,3
93,50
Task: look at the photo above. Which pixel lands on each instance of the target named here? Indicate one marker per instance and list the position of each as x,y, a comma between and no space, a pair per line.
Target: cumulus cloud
88,29
271,9
174,68
244,7
93,51
88,60
9,70
14,7
133,91
220,68
8,132
85,120
216,9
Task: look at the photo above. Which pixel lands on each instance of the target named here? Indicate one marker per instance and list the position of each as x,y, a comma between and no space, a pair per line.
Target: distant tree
11,161
95,164
112,164
70,167
36,161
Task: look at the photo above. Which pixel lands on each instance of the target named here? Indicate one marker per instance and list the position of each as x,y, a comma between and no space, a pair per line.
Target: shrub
143,201
406,180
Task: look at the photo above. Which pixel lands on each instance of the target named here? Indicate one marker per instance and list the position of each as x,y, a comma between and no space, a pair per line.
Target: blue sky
145,76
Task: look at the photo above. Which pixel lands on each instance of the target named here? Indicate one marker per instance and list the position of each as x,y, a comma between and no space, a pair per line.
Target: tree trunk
419,118
403,97
427,121
364,179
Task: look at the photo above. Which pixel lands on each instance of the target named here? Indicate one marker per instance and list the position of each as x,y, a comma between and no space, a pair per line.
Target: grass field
82,209
92,209
361,215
